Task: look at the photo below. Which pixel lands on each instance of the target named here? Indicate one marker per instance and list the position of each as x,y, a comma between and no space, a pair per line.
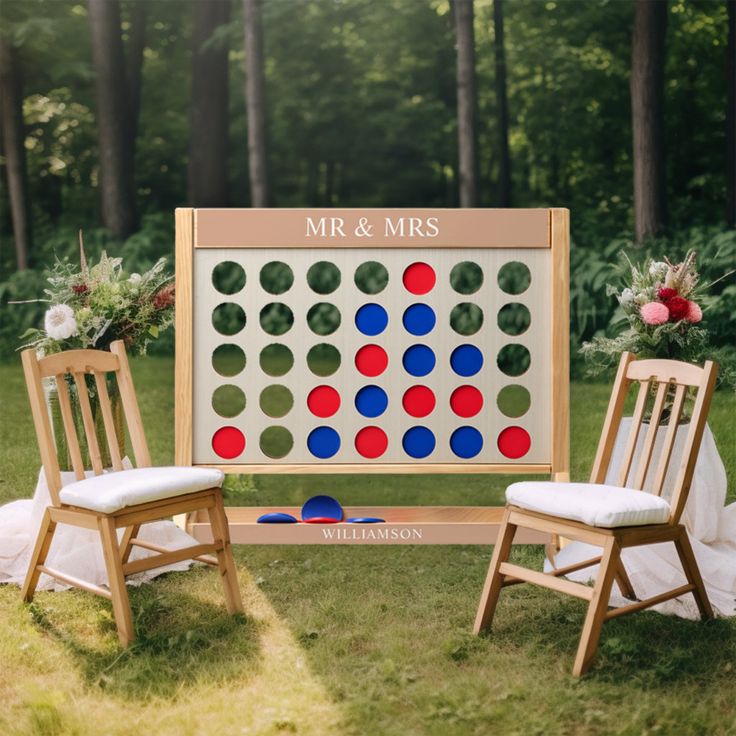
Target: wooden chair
620,516
108,501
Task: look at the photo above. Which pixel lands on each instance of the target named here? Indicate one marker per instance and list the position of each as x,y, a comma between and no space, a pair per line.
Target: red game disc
371,360
418,401
228,442
514,442
371,442
323,401
466,401
321,520
419,278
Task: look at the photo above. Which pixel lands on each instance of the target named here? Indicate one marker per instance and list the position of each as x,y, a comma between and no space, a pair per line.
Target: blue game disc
371,401
324,507
323,442
419,319
418,442
371,319
366,520
466,360
277,518
418,360
466,442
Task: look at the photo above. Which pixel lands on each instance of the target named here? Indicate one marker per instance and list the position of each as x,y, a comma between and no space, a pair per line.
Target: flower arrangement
91,306
661,307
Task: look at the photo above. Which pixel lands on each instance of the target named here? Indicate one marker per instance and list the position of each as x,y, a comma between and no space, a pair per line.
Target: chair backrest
77,364
664,386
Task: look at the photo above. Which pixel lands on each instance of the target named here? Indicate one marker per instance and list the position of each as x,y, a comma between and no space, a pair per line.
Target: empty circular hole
276,442
323,318
228,277
228,400
466,318
228,359
276,401
514,318
514,277
228,318
276,318
323,277
323,359
276,359
513,400
276,277
466,277
371,277
513,359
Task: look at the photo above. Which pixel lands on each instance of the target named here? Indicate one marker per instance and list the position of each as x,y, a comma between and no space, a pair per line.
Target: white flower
135,278
657,269
627,296
59,322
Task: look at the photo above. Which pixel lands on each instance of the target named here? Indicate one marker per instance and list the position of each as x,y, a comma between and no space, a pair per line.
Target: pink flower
694,313
655,313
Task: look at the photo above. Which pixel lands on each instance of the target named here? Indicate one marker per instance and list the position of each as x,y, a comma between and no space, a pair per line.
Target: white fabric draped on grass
711,527
74,551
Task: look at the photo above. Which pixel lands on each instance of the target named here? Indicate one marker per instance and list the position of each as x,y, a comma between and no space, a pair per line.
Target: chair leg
116,580
494,579
624,582
131,532
38,557
692,573
225,560
597,608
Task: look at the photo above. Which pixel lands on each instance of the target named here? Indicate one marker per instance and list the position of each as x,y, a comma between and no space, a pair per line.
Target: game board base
404,525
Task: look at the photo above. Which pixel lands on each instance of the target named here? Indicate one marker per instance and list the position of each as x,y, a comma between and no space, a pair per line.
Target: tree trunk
134,75
111,94
208,142
463,12
647,116
11,92
504,158
731,117
255,104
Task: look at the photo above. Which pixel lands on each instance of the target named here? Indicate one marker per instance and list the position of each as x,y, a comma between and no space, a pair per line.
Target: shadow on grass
181,639
644,648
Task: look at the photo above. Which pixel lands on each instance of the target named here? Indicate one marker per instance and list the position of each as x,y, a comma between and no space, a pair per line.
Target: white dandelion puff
59,322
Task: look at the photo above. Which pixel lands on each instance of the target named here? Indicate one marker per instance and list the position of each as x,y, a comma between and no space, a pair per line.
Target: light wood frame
253,228
657,379
98,363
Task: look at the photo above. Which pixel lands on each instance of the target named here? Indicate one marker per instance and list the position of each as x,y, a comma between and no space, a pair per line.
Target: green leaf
153,330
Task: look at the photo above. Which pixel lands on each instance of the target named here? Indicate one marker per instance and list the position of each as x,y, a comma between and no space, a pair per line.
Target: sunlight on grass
193,670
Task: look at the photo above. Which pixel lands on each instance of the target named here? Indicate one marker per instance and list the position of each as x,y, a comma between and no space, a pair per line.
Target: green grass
348,640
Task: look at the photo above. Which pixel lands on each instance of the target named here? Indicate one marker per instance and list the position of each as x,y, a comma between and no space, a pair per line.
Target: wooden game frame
476,228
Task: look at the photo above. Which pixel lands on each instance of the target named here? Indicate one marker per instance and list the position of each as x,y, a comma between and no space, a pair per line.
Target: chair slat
107,418
651,436
89,423
641,403
70,429
130,407
692,442
669,439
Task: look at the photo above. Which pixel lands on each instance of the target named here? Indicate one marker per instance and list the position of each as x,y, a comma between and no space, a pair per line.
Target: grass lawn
349,640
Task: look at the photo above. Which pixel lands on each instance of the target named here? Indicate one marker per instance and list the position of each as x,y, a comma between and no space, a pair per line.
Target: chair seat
113,491
590,503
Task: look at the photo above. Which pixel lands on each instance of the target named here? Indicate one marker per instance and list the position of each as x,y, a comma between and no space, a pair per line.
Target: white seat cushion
593,504
113,491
